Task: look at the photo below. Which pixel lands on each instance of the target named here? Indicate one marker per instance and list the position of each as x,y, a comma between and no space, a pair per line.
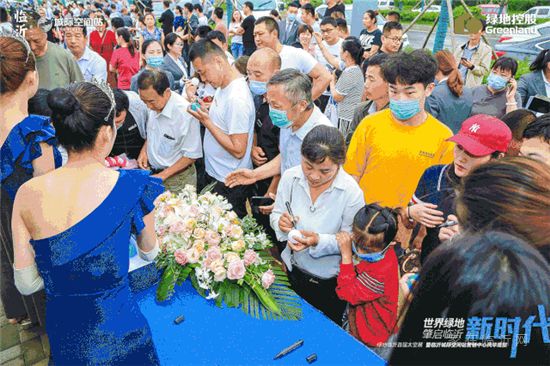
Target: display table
227,336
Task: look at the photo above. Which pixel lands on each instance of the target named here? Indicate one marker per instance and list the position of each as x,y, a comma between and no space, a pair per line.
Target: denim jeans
237,50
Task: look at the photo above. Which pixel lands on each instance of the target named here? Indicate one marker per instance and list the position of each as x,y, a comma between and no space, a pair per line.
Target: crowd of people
402,186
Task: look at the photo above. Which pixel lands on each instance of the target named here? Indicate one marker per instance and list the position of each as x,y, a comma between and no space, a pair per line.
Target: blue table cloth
227,336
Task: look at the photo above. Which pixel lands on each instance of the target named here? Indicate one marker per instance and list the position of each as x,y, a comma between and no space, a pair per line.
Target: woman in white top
237,47
315,203
347,89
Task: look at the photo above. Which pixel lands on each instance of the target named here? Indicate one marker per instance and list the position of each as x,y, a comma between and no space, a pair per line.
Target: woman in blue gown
71,230
27,150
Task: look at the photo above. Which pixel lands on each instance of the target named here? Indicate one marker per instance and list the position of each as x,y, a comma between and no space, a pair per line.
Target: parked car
386,4
487,9
431,9
521,46
540,12
262,7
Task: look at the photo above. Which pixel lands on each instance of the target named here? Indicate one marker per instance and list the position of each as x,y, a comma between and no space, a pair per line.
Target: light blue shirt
290,142
92,65
332,212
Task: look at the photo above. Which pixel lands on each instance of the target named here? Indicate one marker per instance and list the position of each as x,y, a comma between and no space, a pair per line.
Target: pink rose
235,270
181,257
250,257
219,274
267,279
177,227
214,253
212,238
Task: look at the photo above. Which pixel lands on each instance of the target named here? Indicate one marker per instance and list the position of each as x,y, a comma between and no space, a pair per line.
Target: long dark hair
510,195
125,34
543,58
486,274
353,46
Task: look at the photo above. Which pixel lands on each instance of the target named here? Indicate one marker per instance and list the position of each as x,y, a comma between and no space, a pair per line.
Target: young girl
369,274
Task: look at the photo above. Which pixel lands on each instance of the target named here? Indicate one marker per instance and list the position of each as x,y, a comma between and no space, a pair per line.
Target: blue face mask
404,109
496,82
257,87
370,257
155,61
279,118
291,17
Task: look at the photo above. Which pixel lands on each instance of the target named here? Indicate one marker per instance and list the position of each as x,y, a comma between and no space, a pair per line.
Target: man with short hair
334,6
327,52
91,64
167,18
229,122
391,149
217,17
131,116
219,39
266,34
173,138
261,67
536,140
474,58
392,39
308,18
289,27
343,30
56,66
375,92
247,29
292,110
203,20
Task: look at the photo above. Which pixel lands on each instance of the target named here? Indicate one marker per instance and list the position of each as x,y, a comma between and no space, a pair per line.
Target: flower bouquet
225,258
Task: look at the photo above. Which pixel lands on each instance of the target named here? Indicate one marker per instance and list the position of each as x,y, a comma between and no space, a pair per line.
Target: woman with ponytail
70,233
449,102
125,60
369,275
28,149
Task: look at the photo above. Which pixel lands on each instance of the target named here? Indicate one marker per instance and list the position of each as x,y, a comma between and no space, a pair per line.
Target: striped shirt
350,85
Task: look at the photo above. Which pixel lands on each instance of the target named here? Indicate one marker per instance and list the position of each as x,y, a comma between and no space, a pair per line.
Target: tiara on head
105,88
17,36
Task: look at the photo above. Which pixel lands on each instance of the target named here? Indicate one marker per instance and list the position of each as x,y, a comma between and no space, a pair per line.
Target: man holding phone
474,58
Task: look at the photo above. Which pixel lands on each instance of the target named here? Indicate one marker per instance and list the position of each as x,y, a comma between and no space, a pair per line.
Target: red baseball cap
482,135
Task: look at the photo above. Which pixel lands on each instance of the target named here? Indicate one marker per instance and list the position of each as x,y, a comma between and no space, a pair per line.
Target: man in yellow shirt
390,150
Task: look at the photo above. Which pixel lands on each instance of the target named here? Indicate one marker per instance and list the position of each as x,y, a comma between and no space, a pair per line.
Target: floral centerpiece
226,258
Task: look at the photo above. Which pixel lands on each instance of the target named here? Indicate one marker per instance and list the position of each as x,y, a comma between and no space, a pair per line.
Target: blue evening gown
92,317
19,150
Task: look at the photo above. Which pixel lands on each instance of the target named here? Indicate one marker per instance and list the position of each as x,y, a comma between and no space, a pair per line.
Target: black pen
448,223
289,349
290,212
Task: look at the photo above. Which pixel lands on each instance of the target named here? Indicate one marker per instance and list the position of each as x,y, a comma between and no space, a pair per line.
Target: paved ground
21,345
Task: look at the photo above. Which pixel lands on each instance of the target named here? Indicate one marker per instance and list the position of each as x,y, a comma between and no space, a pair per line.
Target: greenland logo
474,128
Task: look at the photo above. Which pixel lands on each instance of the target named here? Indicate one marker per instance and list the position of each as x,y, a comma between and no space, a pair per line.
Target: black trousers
319,293
235,196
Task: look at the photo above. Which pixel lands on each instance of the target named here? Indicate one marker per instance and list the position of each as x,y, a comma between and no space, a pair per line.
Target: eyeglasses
328,30
395,39
178,44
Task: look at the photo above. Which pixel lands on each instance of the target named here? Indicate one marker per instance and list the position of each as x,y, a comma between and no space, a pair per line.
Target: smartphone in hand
258,201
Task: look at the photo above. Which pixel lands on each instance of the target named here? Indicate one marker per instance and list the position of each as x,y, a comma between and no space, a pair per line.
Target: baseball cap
482,135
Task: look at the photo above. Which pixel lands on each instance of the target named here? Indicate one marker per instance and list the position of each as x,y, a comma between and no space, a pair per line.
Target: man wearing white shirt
90,63
327,52
266,34
229,123
173,136
292,110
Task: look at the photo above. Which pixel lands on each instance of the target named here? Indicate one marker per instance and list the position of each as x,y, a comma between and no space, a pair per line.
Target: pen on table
289,349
